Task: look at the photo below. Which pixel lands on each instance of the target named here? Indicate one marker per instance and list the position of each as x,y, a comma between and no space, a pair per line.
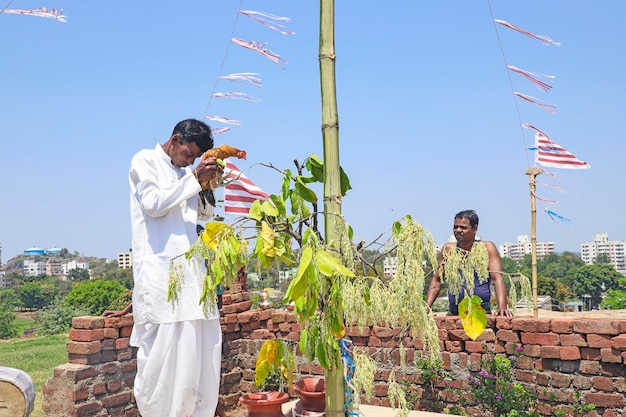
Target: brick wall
559,355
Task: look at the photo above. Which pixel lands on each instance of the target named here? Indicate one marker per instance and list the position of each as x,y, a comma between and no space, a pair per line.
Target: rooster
220,152
223,152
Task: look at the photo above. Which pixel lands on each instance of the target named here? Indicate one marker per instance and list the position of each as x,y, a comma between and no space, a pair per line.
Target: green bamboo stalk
332,188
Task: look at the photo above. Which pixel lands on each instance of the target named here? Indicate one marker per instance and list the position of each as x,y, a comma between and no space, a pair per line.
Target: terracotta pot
312,393
264,404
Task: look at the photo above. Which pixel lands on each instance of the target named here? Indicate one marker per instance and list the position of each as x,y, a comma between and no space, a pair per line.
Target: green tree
9,298
7,317
509,266
595,279
602,258
95,295
614,300
78,274
35,295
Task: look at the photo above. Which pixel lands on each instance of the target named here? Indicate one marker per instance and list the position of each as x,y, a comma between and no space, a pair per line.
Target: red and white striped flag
240,192
549,154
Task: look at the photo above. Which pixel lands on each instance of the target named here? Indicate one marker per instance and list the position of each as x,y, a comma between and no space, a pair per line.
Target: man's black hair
192,130
469,215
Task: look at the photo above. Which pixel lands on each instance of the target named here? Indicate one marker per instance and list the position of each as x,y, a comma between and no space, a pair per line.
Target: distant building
601,245
125,260
523,246
33,268
34,251
389,266
67,267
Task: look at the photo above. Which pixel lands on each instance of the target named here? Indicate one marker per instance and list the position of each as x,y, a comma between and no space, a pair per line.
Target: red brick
598,341
87,322
524,376
453,346
603,383
605,400
362,331
248,316
550,352
619,342
75,372
525,362
610,355
595,326
83,348
473,347
544,339
126,331
532,350
543,379
569,353
561,380
110,333
563,326
458,334
86,335
83,410
116,400
507,335
592,354
531,325
590,367
122,343
504,323
574,339
487,336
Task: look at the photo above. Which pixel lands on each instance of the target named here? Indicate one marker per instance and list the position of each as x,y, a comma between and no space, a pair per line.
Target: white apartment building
389,266
67,267
49,267
125,260
523,246
589,251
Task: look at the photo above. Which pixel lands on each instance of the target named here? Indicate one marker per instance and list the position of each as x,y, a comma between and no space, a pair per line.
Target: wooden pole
335,397
532,172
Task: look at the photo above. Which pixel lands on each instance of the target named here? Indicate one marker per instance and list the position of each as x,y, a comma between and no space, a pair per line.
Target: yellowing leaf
255,211
267,235
211,229
474,319
268,208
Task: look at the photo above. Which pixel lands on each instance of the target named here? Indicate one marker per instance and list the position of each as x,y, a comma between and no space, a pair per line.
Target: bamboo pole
335,397
532,173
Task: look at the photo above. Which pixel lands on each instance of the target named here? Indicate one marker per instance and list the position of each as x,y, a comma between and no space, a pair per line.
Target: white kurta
164,209
178,360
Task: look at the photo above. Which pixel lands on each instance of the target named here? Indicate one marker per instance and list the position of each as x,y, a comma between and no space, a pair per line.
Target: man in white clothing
179,347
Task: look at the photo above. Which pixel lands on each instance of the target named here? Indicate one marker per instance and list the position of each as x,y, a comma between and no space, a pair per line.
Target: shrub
57,318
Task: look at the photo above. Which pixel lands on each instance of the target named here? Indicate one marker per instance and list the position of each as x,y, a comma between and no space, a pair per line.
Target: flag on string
240,192
549,154
558,218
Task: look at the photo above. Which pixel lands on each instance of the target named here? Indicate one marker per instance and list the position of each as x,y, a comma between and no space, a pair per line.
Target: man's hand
503,312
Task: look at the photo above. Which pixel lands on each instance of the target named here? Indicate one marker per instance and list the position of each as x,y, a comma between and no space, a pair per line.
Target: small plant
274,367
578,409
494,385
431,372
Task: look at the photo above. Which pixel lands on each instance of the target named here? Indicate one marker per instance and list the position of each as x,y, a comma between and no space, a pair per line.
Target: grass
24,321
37,356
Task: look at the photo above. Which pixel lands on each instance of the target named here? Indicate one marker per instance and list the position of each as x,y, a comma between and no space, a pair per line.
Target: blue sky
428,122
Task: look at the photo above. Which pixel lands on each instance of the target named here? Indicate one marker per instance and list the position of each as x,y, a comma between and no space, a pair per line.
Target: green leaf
322,356
303,340
396,228
268,208
279,203
331,264
316,167
344,182
255,211
298,284
305,192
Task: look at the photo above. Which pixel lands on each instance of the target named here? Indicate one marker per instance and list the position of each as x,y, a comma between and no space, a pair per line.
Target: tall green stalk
332,187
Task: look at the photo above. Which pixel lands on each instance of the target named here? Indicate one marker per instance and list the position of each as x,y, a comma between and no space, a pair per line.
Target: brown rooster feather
223,152
220,152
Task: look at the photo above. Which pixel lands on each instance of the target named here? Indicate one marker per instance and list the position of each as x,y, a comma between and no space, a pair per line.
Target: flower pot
264,404
312,393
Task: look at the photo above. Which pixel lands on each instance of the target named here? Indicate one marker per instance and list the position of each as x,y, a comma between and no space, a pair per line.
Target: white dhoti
178,368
